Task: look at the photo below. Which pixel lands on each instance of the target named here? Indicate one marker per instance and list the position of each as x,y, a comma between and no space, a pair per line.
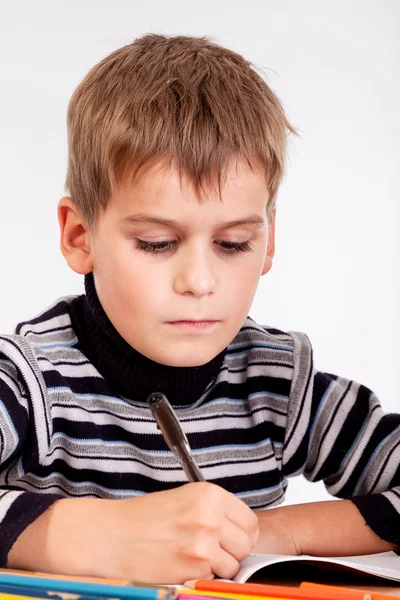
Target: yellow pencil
66,596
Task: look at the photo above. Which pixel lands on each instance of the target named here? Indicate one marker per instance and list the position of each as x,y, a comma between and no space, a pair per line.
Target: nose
195,273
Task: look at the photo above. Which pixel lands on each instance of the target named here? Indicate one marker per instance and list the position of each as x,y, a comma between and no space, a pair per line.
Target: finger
223,564
241,515
235,541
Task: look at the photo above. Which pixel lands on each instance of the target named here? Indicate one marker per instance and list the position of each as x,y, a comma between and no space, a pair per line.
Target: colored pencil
33,593
39,575
85,588
199,594
14,592
6,596
336,588
258,589
67,577
233,596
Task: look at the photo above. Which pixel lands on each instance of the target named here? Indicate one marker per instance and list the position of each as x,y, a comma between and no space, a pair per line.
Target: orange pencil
321,586
275,591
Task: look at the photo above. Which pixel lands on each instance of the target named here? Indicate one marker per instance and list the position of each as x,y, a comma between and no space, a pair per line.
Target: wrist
276,536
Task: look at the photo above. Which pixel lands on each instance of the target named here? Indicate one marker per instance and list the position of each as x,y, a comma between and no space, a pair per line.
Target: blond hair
182,99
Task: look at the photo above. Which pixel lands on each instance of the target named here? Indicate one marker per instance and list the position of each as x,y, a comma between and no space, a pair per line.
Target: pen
173,434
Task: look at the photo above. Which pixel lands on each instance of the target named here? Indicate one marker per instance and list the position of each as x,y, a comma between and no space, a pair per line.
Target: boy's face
176,276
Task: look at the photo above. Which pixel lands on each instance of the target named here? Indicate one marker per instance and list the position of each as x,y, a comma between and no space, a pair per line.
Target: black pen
173,434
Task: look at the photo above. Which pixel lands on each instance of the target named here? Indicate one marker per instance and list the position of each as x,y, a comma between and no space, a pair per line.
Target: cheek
247,276
118,263
133,284
243,284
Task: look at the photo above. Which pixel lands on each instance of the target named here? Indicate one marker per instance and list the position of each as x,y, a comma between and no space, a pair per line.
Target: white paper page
384,564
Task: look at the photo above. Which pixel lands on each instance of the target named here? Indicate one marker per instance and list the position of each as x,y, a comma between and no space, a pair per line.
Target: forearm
50,542
331,528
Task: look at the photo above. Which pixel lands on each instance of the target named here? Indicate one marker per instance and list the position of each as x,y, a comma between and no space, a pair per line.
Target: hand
194,531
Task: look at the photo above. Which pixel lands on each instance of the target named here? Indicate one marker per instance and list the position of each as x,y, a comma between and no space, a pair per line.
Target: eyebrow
141,218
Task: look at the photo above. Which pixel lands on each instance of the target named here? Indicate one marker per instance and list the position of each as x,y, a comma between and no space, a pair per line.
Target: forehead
161,189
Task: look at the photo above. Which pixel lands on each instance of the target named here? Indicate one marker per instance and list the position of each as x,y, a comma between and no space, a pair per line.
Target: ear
271,245
75,237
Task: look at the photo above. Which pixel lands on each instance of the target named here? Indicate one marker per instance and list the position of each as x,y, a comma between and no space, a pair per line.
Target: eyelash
161,247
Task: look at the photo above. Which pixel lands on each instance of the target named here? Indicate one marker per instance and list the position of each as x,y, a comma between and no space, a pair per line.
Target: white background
334,64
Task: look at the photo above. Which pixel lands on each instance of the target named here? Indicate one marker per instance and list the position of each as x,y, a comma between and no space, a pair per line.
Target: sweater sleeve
337,432
18,508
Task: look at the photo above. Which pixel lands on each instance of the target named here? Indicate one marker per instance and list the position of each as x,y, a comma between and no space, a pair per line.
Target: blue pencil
41,586
22,590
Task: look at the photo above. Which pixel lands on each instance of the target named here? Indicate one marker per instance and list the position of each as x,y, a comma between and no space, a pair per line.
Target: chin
189,359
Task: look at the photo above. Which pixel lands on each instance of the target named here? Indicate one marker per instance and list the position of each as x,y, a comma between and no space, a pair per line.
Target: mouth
193,325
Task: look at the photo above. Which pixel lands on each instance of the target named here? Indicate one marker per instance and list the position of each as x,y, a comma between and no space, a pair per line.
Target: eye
154,247
234,247
160,247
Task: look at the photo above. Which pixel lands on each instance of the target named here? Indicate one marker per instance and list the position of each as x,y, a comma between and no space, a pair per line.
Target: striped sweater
260,413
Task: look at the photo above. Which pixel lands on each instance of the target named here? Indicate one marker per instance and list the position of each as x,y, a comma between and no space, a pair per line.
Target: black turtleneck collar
128,372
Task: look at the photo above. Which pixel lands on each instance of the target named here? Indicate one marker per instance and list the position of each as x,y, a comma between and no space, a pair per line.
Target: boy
176,152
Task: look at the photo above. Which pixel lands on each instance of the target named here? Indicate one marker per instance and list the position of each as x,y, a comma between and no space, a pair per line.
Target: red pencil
275,591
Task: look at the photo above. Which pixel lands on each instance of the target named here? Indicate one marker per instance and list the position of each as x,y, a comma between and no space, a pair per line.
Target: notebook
385,565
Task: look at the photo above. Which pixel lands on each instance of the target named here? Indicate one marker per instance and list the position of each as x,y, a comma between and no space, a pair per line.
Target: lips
193,321
193,326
